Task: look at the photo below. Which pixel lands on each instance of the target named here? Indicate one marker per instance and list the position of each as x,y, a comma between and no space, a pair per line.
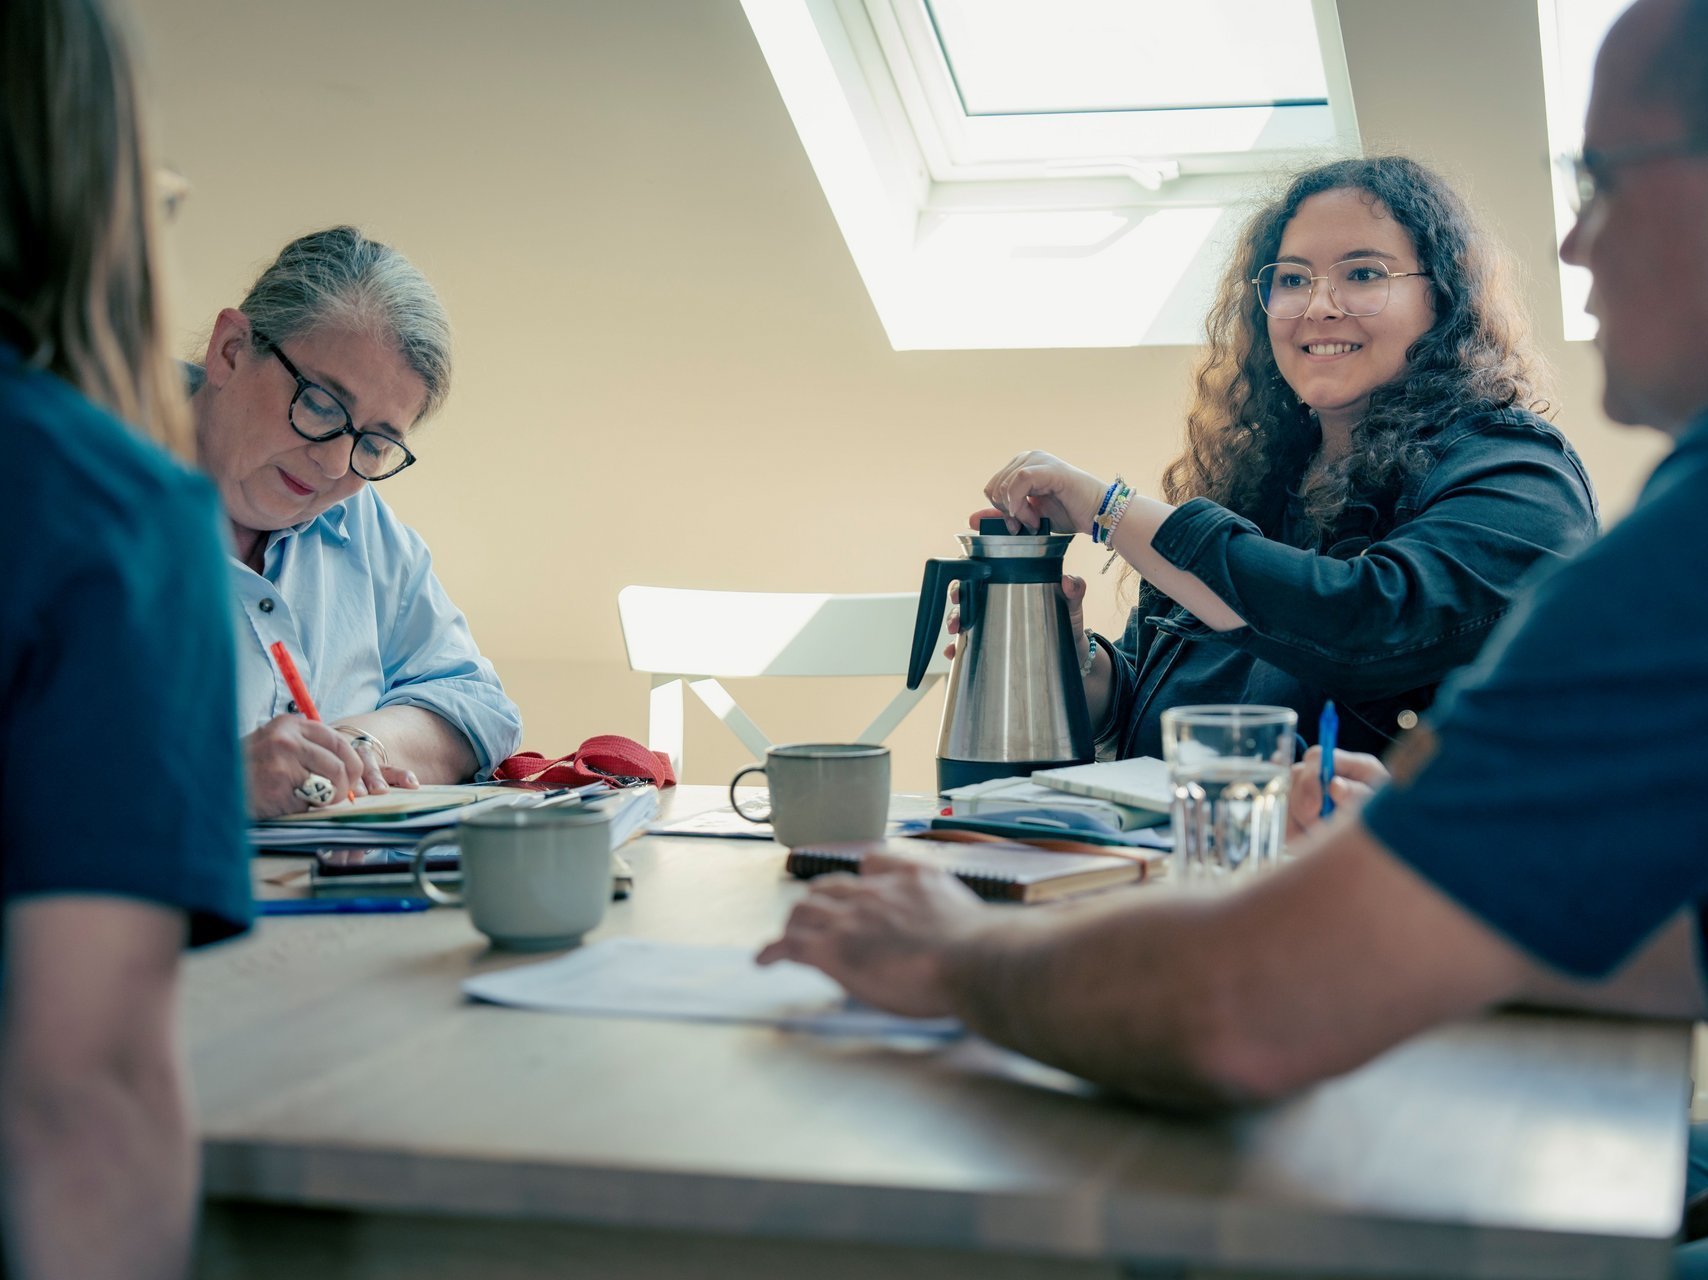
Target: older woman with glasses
1364,484
310,395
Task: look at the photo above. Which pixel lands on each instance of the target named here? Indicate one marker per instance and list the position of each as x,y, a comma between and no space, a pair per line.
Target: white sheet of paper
644,978
722,824
909,812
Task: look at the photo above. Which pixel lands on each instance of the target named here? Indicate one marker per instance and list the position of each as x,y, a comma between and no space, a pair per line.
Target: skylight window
1018,173
1019,57
1572,31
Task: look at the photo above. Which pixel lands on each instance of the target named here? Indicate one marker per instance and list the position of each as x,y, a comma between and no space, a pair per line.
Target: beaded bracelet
1090,659
1097,520
1114,502
1111,516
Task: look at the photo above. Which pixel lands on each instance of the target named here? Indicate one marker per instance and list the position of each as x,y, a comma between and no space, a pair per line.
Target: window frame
962,245
962,147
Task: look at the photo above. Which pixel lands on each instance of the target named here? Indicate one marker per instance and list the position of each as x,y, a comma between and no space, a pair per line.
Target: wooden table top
337,1063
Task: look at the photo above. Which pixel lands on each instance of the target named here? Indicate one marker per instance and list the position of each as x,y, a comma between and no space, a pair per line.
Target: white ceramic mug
823,792
533,879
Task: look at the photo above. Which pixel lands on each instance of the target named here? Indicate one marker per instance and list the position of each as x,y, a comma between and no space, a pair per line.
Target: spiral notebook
996,869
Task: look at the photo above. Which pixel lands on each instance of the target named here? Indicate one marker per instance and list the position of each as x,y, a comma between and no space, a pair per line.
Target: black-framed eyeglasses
318,415
1590,173
1357,287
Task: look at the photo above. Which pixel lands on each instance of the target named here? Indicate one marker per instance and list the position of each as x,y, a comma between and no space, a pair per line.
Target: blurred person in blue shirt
114,628
310,394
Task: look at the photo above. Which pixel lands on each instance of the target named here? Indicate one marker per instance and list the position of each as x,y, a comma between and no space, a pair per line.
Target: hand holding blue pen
1328,729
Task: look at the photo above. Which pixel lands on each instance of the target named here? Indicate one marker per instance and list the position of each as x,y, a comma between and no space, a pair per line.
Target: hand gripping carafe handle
933,600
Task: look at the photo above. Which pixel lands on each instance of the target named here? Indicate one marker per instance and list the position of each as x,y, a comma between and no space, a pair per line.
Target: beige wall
668,370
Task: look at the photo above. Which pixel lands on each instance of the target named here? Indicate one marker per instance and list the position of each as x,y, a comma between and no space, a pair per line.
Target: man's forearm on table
1301,973
1110,991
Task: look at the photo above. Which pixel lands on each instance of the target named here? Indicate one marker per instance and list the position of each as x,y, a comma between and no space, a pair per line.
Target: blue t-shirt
1559,804
119,768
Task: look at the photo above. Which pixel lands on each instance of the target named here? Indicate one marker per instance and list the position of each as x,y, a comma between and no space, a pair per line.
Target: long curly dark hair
1248,437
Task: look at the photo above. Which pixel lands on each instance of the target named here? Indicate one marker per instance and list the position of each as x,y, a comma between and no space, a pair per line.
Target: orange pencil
294,682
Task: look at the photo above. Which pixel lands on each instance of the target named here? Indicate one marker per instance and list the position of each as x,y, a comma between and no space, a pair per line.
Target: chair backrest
688,637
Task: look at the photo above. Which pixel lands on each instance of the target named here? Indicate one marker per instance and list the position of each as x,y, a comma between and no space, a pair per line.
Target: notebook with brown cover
996,869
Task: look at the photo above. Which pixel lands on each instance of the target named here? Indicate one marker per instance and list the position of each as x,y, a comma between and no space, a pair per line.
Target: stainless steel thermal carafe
1015,702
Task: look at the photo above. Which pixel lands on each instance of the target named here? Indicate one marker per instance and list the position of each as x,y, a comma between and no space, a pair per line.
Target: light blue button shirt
353,595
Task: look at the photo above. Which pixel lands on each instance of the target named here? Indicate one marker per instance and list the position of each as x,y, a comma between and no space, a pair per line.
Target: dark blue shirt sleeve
1404,610
119,768
1558,805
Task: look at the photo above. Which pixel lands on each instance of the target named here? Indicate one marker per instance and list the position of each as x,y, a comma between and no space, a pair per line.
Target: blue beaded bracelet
1097,520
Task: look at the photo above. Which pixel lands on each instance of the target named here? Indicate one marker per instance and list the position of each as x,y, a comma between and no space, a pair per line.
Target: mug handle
419,866
752,768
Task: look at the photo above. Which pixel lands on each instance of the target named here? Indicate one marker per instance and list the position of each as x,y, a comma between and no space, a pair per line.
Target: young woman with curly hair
1365,480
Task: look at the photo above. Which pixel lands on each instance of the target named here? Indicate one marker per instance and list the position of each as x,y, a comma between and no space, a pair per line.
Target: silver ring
315,789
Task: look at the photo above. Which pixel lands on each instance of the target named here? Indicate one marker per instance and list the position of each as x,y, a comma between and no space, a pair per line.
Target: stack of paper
1140,782
399,817
1028,798
631,809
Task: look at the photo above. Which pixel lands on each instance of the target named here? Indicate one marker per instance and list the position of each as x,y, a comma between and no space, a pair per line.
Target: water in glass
1229,768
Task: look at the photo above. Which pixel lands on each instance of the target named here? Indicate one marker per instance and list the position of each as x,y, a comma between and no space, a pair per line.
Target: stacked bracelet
1099,533
1115,501
1102,510
1109,515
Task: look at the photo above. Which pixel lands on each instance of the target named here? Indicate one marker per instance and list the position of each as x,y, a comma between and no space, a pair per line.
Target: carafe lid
994,542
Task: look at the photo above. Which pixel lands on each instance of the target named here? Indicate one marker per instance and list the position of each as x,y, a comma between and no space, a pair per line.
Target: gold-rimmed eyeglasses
1357,287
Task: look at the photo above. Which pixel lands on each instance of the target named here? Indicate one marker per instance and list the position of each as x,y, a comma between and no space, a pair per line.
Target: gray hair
341,279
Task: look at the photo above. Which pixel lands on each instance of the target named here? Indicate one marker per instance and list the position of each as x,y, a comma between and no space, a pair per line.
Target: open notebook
1140,782
994,869
398,804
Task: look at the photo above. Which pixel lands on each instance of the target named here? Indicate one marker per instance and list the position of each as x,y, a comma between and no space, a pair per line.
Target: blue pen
1328,729
339,906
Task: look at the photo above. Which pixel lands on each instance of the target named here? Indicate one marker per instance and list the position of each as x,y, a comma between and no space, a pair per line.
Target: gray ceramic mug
823,792
533,879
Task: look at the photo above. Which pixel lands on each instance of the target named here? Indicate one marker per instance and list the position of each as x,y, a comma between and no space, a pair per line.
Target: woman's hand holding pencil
279,755
290,752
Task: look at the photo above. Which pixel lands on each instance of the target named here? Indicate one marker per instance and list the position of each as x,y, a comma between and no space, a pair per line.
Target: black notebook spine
403,866
804,864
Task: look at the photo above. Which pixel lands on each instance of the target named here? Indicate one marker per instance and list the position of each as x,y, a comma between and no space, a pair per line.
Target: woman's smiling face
1333,361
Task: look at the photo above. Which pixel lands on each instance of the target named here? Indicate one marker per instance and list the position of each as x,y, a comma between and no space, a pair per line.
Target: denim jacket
1375,619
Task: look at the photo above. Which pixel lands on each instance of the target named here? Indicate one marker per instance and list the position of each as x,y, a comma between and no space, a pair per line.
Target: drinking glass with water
1228,766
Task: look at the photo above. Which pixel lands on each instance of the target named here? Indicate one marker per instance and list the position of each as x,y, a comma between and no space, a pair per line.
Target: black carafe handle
934,600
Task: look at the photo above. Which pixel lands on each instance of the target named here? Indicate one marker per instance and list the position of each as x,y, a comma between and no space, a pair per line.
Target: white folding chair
682,636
